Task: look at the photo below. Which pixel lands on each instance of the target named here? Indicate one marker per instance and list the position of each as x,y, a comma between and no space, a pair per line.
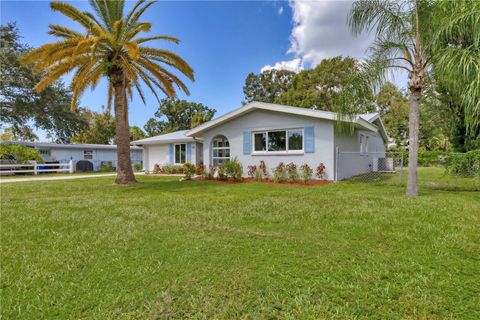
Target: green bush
279,173
464,165
306,173
189,170
233,169
22,154
137,167
106,167
171,169
292,172
431,158
221,173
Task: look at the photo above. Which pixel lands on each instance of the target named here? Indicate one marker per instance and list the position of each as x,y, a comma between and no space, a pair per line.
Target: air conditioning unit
383,165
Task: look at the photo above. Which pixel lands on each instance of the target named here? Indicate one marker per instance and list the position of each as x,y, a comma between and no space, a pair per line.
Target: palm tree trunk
124,163
413,127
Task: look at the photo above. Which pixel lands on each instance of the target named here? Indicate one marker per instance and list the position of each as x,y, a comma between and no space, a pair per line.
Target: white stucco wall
159,154
269,120
351,161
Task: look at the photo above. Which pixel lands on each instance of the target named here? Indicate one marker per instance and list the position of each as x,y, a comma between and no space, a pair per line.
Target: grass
166,249
53,174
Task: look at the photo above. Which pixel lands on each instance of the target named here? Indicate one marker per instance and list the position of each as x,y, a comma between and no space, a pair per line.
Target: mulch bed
286,183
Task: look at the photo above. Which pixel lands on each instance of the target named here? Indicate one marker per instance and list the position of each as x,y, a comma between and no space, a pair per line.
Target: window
360,140
363,140
87,154
278,141
44,152
180,153
220,150
366,144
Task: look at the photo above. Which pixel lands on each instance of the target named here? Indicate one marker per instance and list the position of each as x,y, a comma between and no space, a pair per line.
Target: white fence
37,168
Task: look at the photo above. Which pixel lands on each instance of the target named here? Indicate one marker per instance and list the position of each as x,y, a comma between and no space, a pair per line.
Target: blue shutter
170,153
189,152
246,142
309,140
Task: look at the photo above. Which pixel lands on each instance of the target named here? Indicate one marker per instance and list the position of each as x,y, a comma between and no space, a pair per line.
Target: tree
136,133
109,46
100,129
456,68
267,86
393,107
402,42
20,105
328,86
178,115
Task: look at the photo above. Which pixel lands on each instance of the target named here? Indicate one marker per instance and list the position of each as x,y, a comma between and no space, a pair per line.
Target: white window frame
175,153
87,154
220,148
287,151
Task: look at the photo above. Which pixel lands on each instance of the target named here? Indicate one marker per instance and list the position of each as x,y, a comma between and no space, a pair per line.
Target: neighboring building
273,134
170,148
97,154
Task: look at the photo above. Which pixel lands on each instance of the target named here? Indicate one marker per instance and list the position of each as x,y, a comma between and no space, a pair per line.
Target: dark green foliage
100,129
106,167
332,85
20,153
189,170
20,104
464,165
174,114
267,86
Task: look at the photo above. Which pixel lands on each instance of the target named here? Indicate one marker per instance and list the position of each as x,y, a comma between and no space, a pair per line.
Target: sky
222,40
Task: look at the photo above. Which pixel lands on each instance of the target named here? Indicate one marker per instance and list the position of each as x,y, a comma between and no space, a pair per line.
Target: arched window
220,150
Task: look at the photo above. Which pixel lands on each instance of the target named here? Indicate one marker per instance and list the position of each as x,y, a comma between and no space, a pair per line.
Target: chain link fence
391,168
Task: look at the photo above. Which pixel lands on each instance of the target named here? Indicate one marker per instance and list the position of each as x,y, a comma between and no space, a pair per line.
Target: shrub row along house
273,133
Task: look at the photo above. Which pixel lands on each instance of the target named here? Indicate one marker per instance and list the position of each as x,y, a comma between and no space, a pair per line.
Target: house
170,148
97,154
276,133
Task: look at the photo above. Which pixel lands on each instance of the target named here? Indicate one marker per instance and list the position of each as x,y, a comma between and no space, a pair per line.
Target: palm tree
402,42
109,46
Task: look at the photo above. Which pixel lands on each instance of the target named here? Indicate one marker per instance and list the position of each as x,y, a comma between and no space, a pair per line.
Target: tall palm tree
109,46
402,42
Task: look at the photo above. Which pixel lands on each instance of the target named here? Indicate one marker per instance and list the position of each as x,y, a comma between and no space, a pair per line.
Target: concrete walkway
82,176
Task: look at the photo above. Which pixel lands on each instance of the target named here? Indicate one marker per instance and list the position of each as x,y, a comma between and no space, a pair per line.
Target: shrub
189,170
209,174
292,172
156,168
258,175
172,169
200,169
233,168
321,171
22,154
279,173
431,158
221,173
263,168
252,171
137,167
306,173
465,165
106,167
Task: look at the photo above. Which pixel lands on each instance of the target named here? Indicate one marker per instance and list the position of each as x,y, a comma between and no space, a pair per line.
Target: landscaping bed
266,181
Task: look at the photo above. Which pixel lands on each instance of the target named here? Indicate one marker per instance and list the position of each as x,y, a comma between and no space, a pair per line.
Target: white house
170,148
273,134
97,154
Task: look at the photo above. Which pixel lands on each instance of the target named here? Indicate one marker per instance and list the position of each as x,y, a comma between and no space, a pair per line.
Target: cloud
280,10
320,31
294,65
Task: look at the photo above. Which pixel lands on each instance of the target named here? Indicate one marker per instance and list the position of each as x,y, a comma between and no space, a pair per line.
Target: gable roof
176,136
364,121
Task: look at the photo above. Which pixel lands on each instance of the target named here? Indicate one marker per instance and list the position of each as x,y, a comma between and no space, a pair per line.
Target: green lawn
173,250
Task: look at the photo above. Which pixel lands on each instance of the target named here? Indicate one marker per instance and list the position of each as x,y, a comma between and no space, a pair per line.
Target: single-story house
275,133
170,148
97,154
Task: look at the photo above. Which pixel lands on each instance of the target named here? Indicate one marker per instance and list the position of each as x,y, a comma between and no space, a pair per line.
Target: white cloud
320,31
280,10
295,65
